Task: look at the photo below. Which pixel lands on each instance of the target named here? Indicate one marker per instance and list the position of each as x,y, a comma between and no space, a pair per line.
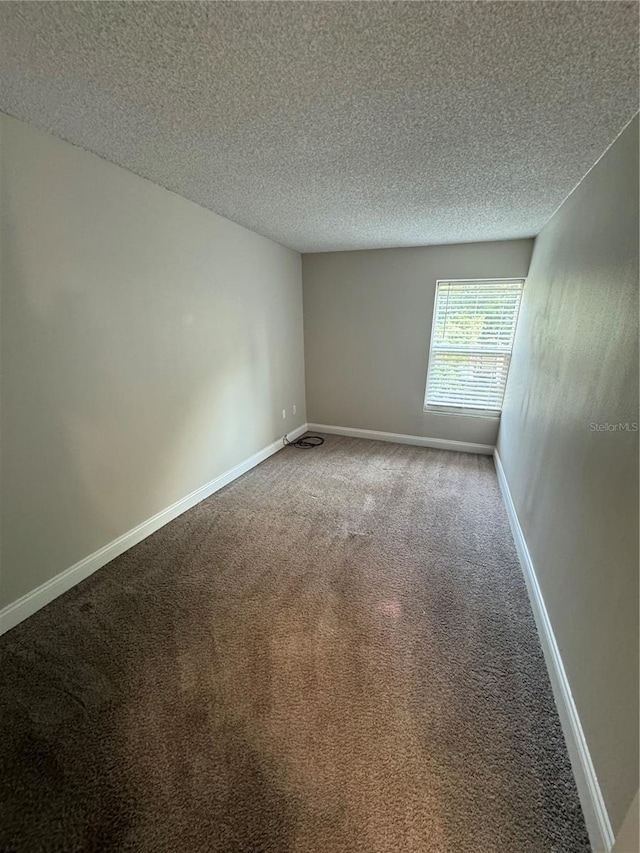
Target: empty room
319,420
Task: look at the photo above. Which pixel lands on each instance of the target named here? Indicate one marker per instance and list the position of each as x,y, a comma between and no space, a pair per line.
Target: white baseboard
399,438
596,817
593,806
19,610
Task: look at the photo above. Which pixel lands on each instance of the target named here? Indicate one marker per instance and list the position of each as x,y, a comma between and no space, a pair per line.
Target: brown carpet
333,654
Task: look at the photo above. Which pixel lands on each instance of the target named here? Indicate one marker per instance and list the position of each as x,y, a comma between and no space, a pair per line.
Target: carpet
333,654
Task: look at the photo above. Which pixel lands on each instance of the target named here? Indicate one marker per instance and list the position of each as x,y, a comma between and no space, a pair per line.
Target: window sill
465,413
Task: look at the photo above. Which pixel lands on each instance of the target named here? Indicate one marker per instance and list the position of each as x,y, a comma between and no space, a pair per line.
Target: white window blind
474,324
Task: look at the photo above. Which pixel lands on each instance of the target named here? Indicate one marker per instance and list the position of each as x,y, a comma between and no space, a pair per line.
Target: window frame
466,411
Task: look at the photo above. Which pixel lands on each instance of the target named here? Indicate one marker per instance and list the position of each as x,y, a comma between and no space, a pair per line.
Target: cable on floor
304,443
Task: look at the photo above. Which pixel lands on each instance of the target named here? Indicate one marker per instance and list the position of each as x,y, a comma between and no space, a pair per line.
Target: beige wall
628,839
576,490
148,345
367,322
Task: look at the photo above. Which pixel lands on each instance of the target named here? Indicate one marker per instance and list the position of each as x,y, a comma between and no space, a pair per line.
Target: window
474,323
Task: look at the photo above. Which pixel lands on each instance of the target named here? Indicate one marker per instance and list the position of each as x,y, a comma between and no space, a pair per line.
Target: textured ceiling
336,125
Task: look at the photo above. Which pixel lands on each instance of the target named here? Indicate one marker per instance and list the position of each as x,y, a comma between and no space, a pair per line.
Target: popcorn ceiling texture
330,126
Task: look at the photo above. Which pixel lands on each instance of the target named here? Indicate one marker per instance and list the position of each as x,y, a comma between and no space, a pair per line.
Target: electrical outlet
284,414
294,409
